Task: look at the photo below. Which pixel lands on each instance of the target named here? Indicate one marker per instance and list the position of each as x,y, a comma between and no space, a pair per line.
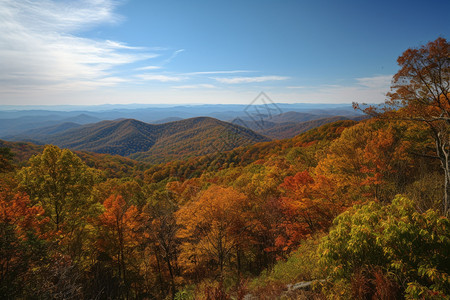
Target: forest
358,208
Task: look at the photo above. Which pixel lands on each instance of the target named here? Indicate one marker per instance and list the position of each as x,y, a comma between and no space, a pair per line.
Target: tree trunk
445,206
442,150
172,280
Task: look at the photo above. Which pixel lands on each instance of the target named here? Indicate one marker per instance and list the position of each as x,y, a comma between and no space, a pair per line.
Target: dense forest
359,208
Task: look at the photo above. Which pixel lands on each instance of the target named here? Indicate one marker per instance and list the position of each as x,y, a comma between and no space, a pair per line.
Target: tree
307,206
119,235
6,157
160,230
212,227
21,245
370,160
60,182
420,92
411,248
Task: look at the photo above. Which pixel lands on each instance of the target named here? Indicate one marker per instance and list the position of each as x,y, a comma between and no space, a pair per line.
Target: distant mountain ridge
16,120
289,124
34,135
290,130
151,142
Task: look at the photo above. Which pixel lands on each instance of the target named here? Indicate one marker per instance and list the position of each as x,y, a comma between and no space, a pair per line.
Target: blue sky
142,51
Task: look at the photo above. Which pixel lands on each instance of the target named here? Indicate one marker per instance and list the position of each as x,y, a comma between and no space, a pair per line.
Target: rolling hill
38,134
295,116
112,166
290,130
288,125
154,142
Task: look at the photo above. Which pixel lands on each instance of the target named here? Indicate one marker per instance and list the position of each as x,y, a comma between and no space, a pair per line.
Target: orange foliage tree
119,227
213,228
367,160
421,93
20,231
159,233
308,205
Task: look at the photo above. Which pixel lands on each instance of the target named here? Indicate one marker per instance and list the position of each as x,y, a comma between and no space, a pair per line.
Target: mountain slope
156,142
82,119
166,120
295,116
112,166
198,136
122,137
289,130
289,124
39,134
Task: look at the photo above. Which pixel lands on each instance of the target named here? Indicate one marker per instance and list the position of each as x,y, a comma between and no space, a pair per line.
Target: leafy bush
409,248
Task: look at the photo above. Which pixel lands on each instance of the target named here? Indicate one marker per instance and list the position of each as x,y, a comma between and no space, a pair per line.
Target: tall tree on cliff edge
420,92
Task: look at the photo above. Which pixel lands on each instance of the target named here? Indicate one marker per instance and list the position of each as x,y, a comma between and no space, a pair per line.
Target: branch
425,155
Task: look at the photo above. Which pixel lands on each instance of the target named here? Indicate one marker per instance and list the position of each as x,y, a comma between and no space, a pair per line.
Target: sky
91,52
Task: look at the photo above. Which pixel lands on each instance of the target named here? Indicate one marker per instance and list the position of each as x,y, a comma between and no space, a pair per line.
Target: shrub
393,245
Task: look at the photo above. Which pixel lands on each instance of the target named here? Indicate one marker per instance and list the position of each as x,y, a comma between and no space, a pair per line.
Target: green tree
412,247
61,184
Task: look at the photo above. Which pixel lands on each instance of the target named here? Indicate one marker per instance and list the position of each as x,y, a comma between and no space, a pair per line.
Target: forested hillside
147,142
358,209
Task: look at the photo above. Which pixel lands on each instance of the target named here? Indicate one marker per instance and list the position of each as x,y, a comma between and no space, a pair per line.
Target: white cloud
174,54
195,86
375,81
218,72
40,49
118,45
296,87
235,80
158,77
371,89
148,68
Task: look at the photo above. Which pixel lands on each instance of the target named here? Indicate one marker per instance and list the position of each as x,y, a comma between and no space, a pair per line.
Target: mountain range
289,124
166,137
15,120
147,142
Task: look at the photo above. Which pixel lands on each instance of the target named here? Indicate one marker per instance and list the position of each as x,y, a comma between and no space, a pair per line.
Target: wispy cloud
296,87
218,72
195,86
370,89
375,81
159,77
237,80
174,54
40,48
148,68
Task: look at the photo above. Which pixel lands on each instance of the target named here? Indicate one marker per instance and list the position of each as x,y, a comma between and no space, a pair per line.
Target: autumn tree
128,188
119,236
213,226
370,160
61,184
420,92
159,233
21,243
307,206
6,157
